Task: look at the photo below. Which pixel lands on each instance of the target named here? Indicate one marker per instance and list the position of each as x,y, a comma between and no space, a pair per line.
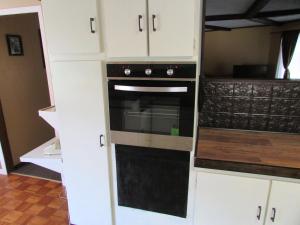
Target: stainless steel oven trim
152,140
151,89
148,79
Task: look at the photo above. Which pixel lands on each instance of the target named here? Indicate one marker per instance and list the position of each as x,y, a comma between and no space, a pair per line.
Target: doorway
24,89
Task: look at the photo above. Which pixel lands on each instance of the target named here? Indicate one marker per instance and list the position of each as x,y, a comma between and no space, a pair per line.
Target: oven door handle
151,89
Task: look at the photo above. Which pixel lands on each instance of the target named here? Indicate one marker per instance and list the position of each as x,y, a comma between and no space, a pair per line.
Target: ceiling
232,14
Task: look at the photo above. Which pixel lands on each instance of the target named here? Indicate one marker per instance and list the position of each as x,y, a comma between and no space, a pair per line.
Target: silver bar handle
140,23
101,140
273,215
92,25
151,89
258,216
154,18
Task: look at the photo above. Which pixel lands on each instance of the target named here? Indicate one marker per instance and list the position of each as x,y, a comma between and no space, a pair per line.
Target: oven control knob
170,72
148,72
127,72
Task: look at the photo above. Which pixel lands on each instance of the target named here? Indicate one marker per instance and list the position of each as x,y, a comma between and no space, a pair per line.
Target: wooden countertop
248,147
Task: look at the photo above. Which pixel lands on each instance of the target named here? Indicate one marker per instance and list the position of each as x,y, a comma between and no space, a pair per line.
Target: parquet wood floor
31,201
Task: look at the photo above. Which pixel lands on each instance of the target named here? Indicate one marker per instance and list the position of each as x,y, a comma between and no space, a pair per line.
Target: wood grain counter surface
249,151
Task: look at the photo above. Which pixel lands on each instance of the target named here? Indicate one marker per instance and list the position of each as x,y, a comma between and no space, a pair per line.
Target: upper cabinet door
171,27
125,25
71,26
230,200
284,204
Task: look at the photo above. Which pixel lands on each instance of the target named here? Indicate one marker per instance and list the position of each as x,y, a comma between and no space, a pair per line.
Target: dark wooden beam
278,13
238,28
259,15
211,27
256,7
225,17
266,21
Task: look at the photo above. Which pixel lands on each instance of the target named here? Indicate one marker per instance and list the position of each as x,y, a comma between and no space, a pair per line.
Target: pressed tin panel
264,105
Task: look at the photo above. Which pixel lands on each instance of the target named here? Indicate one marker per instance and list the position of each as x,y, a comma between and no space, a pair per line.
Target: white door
78,90
71,26
125,23
284,204
230,200
171,27
3,169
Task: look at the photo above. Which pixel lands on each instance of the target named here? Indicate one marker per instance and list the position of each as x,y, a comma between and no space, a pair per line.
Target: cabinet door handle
259,212
273,217
153,23
101,140
140,23
92,23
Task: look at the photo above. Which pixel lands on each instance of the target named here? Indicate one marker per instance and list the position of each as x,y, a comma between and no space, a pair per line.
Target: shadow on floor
29,169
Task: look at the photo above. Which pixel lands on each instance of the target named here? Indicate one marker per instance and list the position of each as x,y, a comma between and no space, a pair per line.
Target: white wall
224,49
257,45
6,4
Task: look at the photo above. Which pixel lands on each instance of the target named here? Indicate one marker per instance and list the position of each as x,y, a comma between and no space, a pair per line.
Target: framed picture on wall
14,45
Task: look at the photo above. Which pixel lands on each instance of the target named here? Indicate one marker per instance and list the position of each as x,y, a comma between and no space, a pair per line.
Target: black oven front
154,113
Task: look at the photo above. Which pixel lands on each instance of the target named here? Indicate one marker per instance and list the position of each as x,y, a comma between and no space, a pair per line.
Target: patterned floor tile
31,201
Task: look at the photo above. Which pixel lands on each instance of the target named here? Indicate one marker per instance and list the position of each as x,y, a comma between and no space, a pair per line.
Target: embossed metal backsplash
263,105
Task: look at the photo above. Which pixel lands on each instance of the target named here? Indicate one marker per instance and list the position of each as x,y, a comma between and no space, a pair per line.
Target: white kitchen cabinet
156,28
126,28
172,24
72,26
78,89
230,200
284,204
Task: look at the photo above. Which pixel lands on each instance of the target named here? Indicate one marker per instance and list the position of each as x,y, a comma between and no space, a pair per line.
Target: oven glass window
154,113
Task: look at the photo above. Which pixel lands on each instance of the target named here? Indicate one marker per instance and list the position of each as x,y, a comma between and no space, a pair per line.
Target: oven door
157,114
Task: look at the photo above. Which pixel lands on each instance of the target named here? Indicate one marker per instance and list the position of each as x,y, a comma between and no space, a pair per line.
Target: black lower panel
153,179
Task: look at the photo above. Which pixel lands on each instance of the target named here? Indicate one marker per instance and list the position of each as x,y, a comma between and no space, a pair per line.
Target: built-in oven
149,112
151,121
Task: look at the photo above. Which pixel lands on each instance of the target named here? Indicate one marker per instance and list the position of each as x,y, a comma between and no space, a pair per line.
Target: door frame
5,153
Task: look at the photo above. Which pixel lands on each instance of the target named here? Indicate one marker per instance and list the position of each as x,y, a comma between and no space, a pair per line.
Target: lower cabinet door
284,204
78,90
230,200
